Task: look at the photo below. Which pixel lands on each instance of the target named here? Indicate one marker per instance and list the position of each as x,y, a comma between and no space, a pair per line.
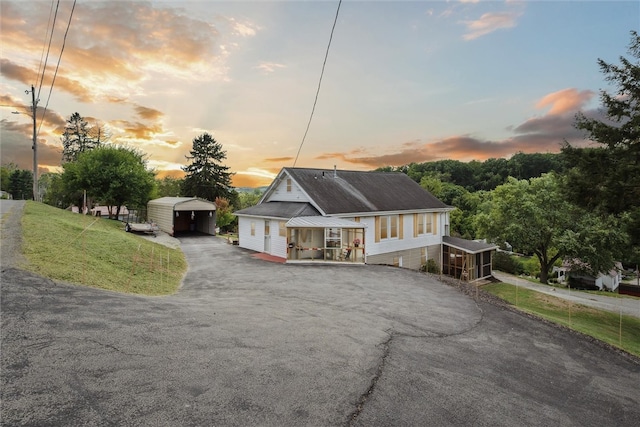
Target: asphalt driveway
248,342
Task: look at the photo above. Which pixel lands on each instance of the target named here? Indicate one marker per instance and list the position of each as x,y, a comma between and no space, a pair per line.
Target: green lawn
97,252
620,331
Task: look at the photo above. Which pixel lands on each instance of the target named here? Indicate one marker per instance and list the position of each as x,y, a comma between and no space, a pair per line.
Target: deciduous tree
532,216
114,176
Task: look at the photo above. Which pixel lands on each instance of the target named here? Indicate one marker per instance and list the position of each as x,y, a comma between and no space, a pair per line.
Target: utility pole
34,147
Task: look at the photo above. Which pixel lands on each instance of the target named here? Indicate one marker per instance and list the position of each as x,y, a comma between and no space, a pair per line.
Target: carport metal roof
323,222
185,203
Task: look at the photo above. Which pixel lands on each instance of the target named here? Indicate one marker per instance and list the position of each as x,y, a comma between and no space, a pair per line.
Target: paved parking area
248,342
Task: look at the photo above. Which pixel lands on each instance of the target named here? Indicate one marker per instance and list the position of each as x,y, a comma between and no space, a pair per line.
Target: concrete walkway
625,305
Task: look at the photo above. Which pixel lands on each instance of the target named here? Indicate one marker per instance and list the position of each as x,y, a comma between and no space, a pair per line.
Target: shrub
530,266
430,267
507,263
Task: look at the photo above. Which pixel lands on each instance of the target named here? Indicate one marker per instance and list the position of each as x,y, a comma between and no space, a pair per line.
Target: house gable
285,189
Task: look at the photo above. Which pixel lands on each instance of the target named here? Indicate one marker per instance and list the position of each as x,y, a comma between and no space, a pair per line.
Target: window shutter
415,225
435,223
377,225
400,226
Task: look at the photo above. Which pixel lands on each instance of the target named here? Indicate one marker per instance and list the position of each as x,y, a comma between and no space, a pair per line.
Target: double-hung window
424,224
389,227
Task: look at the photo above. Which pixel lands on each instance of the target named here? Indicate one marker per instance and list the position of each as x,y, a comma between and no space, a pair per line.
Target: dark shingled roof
280,210
340,192
468,245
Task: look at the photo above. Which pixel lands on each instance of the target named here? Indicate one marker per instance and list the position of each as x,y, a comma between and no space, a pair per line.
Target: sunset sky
404,81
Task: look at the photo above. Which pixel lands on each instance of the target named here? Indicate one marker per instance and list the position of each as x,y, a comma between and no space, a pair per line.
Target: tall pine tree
606,179
207,177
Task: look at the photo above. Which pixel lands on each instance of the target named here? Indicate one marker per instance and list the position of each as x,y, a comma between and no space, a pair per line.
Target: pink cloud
565,100
490,22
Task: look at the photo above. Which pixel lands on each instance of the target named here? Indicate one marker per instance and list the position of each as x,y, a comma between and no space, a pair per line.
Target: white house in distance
338,216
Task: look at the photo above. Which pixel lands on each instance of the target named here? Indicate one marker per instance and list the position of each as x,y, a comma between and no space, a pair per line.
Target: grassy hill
97,252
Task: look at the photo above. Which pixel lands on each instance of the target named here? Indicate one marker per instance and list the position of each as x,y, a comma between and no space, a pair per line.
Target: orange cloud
279,159
541,134
25,75
138,130
566,100
114,45
172,173
148,113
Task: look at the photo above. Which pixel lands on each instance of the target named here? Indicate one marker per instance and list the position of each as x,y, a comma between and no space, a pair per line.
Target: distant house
338,216
103,211
579,279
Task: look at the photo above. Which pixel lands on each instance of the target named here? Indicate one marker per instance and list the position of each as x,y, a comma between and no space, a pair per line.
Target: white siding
246,240
280,194
407,242
278,243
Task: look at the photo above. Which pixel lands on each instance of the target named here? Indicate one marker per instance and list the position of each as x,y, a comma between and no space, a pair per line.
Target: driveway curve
248,342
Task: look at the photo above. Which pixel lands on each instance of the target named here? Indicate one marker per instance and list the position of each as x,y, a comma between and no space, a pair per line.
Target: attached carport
183,215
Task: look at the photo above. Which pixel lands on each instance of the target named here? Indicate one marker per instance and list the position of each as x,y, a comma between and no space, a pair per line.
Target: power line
64,41
319,83
46,34
44,68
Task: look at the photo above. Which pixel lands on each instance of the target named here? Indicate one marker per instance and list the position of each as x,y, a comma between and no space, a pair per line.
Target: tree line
96,172
581,205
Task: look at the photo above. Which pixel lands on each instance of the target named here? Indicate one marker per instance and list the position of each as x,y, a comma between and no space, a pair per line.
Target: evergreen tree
606,179
21,184
207,177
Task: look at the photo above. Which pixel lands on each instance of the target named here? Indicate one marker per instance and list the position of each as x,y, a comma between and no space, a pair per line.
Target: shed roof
342,192
323,222
469,246
184,203
283,210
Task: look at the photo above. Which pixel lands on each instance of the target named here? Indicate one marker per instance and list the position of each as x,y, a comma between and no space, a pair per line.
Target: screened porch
325,239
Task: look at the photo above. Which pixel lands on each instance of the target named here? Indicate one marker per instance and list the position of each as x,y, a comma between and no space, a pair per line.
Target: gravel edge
11,230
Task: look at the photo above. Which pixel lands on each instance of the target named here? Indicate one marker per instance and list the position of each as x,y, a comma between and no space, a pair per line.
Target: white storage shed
183,215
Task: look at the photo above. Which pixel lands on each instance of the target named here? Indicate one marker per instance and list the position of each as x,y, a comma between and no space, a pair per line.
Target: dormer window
288,185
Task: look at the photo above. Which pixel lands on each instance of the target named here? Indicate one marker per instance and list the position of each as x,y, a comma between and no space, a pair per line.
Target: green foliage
508,263
532,216
606,179
431,266
620,331
21,184
168,187
206,176
530,266
224,218
78,137
482,176
97,252
248,199
5,172
432,184
113,176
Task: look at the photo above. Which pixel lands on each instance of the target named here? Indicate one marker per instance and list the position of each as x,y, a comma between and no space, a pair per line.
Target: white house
317,215
609,281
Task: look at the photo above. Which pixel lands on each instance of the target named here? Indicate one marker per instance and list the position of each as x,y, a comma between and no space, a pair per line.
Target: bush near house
430,267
